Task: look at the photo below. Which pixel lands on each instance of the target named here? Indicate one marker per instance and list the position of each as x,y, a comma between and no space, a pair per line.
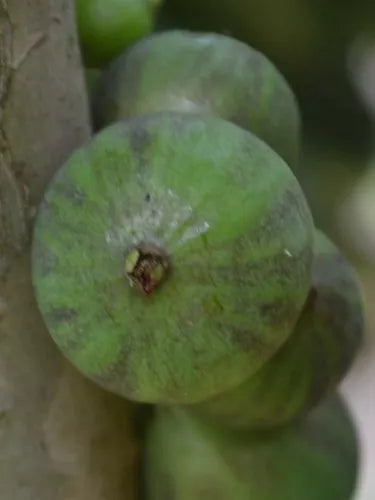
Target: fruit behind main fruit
209,74
215,203
314,459
314,358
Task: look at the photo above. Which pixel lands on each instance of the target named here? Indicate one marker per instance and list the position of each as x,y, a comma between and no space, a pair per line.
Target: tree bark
61,437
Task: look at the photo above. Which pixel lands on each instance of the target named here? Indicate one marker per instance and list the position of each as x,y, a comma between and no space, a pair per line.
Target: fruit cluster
175,261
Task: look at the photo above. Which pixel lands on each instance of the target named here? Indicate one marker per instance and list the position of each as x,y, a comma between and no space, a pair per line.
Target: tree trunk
60,436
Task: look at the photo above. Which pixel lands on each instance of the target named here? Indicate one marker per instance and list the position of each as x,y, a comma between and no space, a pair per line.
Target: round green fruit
208,74
313,459
313,359
107,27
172,256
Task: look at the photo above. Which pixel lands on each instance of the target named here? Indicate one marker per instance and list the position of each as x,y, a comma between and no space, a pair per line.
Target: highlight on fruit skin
314,358
234,223
205,73
315,458
107,27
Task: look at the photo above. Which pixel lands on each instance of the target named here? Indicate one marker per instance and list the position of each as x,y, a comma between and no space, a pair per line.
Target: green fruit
314,459
209,74
313,359
199,209
107,27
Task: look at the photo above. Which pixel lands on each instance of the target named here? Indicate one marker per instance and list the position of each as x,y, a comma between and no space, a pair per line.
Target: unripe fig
314,459
172,256
313,359
107,27
209,74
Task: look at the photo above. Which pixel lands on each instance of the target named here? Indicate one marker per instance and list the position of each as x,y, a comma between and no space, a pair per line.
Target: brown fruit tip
146,266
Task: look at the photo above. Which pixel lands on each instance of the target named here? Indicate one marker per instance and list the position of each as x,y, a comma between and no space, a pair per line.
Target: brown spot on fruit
146,266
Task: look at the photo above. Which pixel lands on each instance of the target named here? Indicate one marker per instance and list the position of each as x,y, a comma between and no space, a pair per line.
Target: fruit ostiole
146,266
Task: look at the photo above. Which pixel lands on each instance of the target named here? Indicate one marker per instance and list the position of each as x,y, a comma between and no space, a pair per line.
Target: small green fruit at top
208,74
314,459
172,256
107,27
314,358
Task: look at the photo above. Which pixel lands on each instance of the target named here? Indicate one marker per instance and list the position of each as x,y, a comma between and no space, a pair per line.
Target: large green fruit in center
199,202
202,73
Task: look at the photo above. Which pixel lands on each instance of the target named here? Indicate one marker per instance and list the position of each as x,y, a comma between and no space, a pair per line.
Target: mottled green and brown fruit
313,359
172,256
201,73
107,27
314,459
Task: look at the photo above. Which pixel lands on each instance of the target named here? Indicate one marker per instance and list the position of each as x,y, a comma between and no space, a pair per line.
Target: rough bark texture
60,436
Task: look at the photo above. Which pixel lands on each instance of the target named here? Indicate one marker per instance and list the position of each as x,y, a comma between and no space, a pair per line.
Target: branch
61,437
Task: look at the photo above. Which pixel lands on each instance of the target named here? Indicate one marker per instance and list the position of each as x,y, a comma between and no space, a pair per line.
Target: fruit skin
108,27
223,206
314,459
314,358
210,74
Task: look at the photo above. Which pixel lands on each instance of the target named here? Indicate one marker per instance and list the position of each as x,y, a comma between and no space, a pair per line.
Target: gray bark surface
61,437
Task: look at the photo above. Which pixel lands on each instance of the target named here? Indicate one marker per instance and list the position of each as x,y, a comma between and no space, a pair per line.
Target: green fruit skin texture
313,459
107,27
314,358
210,74
236,225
